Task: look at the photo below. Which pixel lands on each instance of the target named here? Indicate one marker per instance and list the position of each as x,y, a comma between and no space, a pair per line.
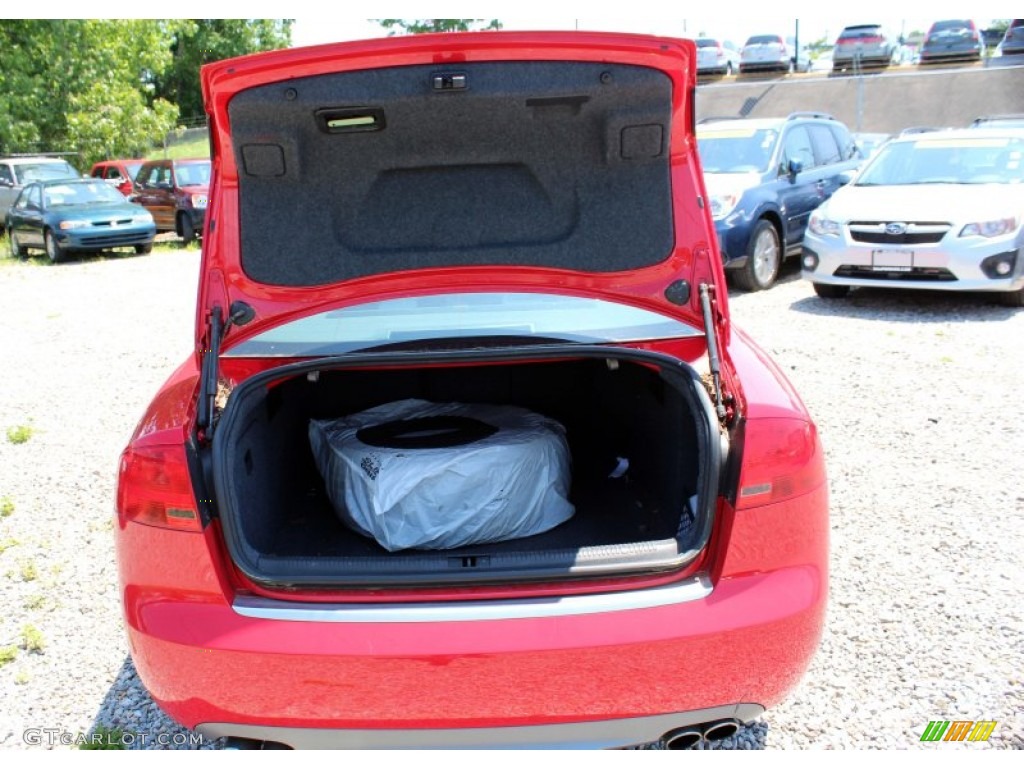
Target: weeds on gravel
19,434
21,677
8,654
6,506
7,544
27,571
35,602
32,639
102,737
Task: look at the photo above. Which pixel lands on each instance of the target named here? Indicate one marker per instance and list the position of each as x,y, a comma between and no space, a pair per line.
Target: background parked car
716,57
76,215
773,53
952,40
118,173
942,210
1013,40
175,192
862,45
16,172
764,177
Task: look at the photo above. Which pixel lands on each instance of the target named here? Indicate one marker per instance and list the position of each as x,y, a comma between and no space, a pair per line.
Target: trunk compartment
281,530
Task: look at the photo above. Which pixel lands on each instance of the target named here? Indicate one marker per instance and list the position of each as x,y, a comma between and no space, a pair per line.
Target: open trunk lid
545,162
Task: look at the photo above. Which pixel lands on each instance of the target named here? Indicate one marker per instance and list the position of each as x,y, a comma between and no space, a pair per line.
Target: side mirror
6,183
793,169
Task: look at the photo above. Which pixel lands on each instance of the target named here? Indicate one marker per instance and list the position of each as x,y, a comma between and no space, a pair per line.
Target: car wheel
764,255
831,291
144,248
1012,298
17,252
53,249
186,229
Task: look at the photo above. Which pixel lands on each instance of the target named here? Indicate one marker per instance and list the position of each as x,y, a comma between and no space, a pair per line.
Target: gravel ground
915,395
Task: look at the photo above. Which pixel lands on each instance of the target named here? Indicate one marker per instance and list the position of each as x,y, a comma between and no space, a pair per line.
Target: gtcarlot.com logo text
58,737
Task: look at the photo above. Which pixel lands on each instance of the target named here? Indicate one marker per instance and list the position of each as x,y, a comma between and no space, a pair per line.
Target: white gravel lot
917,397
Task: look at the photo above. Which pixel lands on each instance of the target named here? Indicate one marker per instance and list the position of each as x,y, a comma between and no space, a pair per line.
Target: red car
507,219
119,173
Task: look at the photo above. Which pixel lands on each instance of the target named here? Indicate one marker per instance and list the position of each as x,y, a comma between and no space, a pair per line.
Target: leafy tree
201,41
59,72
422,26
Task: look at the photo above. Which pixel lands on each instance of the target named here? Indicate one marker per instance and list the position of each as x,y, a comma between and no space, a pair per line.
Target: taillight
782,458
154,488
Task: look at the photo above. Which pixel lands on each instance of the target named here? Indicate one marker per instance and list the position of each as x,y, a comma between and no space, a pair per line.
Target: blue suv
764,177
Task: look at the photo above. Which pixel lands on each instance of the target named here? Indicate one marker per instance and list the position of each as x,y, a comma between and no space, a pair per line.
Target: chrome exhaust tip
684,738
721,729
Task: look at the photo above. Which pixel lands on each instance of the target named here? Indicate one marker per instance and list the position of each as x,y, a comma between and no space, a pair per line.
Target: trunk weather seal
299,572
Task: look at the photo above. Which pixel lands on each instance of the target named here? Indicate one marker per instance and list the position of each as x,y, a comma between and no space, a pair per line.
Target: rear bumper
609,679
603,734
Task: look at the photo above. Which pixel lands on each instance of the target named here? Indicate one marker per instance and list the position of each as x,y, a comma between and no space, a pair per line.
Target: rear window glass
462,315
761,39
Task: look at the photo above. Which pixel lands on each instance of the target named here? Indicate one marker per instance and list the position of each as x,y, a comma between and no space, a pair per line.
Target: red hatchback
512,220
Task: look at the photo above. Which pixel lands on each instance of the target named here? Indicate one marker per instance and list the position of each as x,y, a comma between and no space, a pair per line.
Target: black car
76,215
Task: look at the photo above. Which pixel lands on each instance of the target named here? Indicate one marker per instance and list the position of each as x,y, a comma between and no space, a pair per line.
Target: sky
738,20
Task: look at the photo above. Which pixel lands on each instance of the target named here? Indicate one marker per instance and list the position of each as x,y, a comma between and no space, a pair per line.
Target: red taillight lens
154,488
782,458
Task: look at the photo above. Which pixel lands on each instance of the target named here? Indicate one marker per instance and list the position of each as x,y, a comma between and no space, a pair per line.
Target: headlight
993,228
723,205
198,201
73,224
142,218
819,225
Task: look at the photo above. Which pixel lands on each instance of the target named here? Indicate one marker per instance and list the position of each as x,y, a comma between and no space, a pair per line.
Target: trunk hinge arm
217,328
714,361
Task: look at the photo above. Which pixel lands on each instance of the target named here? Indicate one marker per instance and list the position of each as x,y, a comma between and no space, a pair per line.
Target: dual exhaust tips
691,735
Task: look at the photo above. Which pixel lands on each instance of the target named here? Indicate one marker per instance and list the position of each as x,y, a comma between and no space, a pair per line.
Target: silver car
862,46
716,57
942,210
16,172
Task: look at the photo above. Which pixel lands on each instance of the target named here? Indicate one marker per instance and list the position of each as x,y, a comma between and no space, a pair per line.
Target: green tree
201,41
56,76
422,26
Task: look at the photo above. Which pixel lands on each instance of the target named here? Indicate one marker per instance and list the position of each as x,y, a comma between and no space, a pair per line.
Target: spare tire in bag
416,474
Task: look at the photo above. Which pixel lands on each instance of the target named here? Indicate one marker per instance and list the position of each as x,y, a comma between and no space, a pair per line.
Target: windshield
192,174
462,315
736,150
44,171
995,160
81,193
133,169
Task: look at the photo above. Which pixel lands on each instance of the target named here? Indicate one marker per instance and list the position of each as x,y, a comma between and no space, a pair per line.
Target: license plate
892,259
199,201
